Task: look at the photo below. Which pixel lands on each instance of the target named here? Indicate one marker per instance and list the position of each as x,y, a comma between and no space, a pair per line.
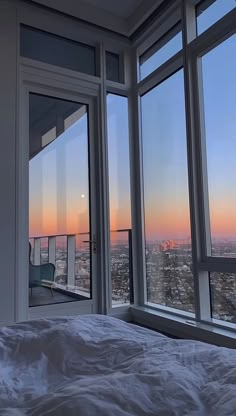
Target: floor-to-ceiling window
166,204
185,108
59,219
68,171
187,95
119,197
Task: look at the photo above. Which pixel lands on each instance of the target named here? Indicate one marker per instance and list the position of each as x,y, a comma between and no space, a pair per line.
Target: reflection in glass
113,67
219,93
58,201
119,191
170,48
223,296
166,204
56,50
208,15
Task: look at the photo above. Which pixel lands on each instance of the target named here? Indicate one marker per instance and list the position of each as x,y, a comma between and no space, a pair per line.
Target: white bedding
94,365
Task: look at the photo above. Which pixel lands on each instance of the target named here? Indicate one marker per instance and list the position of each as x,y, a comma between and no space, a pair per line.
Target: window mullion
106,292
201,278
137,209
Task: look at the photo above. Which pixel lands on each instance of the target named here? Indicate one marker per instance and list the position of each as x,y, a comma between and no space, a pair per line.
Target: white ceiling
119,8
122,16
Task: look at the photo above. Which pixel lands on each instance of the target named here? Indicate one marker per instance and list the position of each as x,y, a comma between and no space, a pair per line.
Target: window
55,50
219,95
210,14
59,201
166,204
113,67
119,192
160,53
190,263
223,296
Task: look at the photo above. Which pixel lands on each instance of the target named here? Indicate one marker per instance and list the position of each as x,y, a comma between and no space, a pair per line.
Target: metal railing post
71,260
52,250
37,251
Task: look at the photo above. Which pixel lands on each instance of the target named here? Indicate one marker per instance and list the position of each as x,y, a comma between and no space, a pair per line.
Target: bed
98,365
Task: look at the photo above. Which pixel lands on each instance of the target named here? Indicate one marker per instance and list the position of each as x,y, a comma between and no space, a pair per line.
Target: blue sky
164,151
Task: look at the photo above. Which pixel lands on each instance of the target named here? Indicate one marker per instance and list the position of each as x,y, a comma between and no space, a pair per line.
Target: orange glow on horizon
159,223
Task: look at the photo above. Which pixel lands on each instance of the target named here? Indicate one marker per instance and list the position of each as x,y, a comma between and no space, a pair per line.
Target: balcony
71,257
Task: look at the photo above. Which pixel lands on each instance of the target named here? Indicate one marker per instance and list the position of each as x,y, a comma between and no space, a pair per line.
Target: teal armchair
40,275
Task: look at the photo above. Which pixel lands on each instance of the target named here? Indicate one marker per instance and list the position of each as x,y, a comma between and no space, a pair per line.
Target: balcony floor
42,296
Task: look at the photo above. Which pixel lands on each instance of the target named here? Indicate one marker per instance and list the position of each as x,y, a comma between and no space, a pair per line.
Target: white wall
8,53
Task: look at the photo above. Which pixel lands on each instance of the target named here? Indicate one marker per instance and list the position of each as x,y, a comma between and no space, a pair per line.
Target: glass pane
58,201
119,190
61,260
82,266
208,15
219,92
147,66
166,203
44,250
113,66
121,268
223,296
55,50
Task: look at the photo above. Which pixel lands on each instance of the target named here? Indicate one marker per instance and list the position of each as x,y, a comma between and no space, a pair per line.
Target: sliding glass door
59,201
58,186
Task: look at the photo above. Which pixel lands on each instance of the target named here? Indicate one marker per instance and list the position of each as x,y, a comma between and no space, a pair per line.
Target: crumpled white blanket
95,365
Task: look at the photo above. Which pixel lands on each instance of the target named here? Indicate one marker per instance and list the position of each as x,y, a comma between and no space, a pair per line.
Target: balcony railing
71,257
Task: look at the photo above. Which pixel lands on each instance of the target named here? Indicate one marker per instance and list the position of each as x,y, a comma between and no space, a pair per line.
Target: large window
209,12
59,201
119,192
219,93
167,224
160,52
176,253
188,131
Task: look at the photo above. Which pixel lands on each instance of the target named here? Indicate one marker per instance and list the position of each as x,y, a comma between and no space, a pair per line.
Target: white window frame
56,24
193,47
20,12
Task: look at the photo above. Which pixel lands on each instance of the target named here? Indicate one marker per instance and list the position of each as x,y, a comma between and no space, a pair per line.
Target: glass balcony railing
71,258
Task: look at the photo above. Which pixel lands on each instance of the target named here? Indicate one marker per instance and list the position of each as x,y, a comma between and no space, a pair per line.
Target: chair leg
52,292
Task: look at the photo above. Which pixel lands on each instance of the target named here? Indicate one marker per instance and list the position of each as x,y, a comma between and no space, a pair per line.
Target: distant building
168,245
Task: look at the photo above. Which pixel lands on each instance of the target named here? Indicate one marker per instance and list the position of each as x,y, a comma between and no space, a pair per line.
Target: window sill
182,327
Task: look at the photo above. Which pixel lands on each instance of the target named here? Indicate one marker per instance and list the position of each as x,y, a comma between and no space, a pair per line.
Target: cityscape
170,278
168,270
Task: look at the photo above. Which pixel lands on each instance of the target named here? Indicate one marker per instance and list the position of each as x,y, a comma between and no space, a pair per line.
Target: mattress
98,365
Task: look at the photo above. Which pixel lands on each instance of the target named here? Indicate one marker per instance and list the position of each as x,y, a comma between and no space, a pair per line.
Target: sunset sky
58,189
165,160
59,192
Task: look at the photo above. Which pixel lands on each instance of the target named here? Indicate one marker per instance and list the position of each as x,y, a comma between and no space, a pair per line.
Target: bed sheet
94,365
